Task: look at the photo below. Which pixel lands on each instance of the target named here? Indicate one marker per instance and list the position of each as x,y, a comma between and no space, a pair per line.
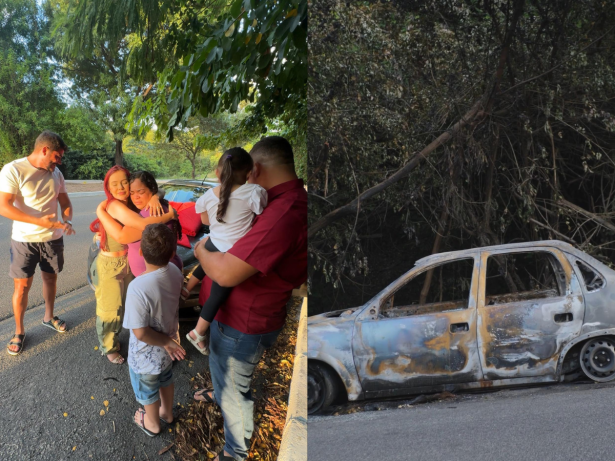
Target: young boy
152,305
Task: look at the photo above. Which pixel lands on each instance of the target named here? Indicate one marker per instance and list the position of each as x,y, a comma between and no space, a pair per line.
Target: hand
68,229
49,222
154,206
102,206
175,350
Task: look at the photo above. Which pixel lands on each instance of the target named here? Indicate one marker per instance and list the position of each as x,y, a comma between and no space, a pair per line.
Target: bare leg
49,294
20,302
201,327
166,403
151,421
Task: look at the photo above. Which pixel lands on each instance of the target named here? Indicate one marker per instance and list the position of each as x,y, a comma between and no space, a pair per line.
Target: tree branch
597,219
474,115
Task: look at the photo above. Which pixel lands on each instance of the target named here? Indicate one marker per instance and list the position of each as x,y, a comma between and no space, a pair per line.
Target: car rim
315,392
598,359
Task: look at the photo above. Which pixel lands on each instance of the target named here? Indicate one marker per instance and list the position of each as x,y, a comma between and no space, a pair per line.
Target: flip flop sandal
16,340
223,457
195,342
118,360
55,324
204,392
142,425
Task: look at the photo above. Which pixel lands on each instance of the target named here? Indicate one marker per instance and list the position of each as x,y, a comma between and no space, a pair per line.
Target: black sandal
55,324
17,342
223,457
204,392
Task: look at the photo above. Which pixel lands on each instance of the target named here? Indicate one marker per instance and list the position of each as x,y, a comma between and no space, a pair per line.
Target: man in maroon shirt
263,267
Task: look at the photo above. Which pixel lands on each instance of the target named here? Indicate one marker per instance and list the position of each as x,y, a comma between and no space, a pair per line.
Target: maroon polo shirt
276,246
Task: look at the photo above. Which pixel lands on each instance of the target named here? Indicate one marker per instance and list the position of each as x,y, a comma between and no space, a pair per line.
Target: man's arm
67,212
153,338
8,210
223,268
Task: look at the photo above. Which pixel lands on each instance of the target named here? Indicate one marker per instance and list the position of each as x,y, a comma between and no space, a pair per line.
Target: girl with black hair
228,210
143,187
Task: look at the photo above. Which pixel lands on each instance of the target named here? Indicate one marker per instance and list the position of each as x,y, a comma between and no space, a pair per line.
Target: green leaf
236,8
212,55
284,28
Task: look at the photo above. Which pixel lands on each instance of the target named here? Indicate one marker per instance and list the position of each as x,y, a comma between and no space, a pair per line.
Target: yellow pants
113,278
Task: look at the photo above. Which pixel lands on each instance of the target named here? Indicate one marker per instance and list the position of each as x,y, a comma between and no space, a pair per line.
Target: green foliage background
102,74
387,78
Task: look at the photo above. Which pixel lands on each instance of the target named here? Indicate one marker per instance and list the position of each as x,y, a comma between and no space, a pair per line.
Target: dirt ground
84,187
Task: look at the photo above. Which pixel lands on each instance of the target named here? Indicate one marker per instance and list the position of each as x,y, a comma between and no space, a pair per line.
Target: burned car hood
333,316
330,341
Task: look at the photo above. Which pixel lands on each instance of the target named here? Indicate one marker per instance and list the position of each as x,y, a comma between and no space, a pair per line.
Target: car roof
190,183
509,246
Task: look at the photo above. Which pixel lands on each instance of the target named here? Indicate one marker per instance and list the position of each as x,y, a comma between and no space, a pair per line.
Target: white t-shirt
36,193
152,301
244,202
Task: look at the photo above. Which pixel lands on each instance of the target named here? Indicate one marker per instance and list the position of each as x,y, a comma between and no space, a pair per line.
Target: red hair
96,226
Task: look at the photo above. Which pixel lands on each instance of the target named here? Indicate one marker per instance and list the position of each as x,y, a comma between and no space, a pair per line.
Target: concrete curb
294,439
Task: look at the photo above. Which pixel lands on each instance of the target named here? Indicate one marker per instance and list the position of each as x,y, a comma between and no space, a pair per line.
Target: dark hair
275,150
51,140
158,243
235,164
149,181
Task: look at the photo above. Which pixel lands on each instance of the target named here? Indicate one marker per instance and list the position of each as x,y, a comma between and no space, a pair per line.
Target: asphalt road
557,422
75,254
60,373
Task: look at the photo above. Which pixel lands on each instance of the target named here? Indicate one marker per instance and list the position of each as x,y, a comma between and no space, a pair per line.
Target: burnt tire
322,387
598,359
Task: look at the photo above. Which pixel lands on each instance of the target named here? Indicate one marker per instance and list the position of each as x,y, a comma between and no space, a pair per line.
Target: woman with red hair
112,262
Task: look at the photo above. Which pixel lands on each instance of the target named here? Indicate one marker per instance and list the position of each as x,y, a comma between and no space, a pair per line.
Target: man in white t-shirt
30,190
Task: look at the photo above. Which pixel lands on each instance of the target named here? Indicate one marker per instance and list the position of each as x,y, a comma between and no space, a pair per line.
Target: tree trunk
193,162
119,153
436,249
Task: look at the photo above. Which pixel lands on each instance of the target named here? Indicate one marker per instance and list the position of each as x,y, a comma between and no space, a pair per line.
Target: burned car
494,316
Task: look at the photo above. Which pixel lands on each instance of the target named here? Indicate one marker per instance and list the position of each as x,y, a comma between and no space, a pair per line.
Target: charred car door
530,306
422,333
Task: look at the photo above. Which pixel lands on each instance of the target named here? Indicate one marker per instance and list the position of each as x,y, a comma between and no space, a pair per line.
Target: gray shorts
26,255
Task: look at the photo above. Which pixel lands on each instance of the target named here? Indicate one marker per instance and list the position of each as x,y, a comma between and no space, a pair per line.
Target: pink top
136,262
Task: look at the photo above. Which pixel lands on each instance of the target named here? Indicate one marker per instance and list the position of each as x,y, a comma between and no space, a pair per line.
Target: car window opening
517,277
442,288
592,279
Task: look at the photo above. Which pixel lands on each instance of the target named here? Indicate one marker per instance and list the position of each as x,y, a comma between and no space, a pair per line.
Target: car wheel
598,359
322,387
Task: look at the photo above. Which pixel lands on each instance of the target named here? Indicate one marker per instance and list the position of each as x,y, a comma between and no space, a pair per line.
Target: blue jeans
147,387
232,358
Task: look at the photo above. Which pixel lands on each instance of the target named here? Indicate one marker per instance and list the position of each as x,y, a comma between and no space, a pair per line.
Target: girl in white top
228,210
